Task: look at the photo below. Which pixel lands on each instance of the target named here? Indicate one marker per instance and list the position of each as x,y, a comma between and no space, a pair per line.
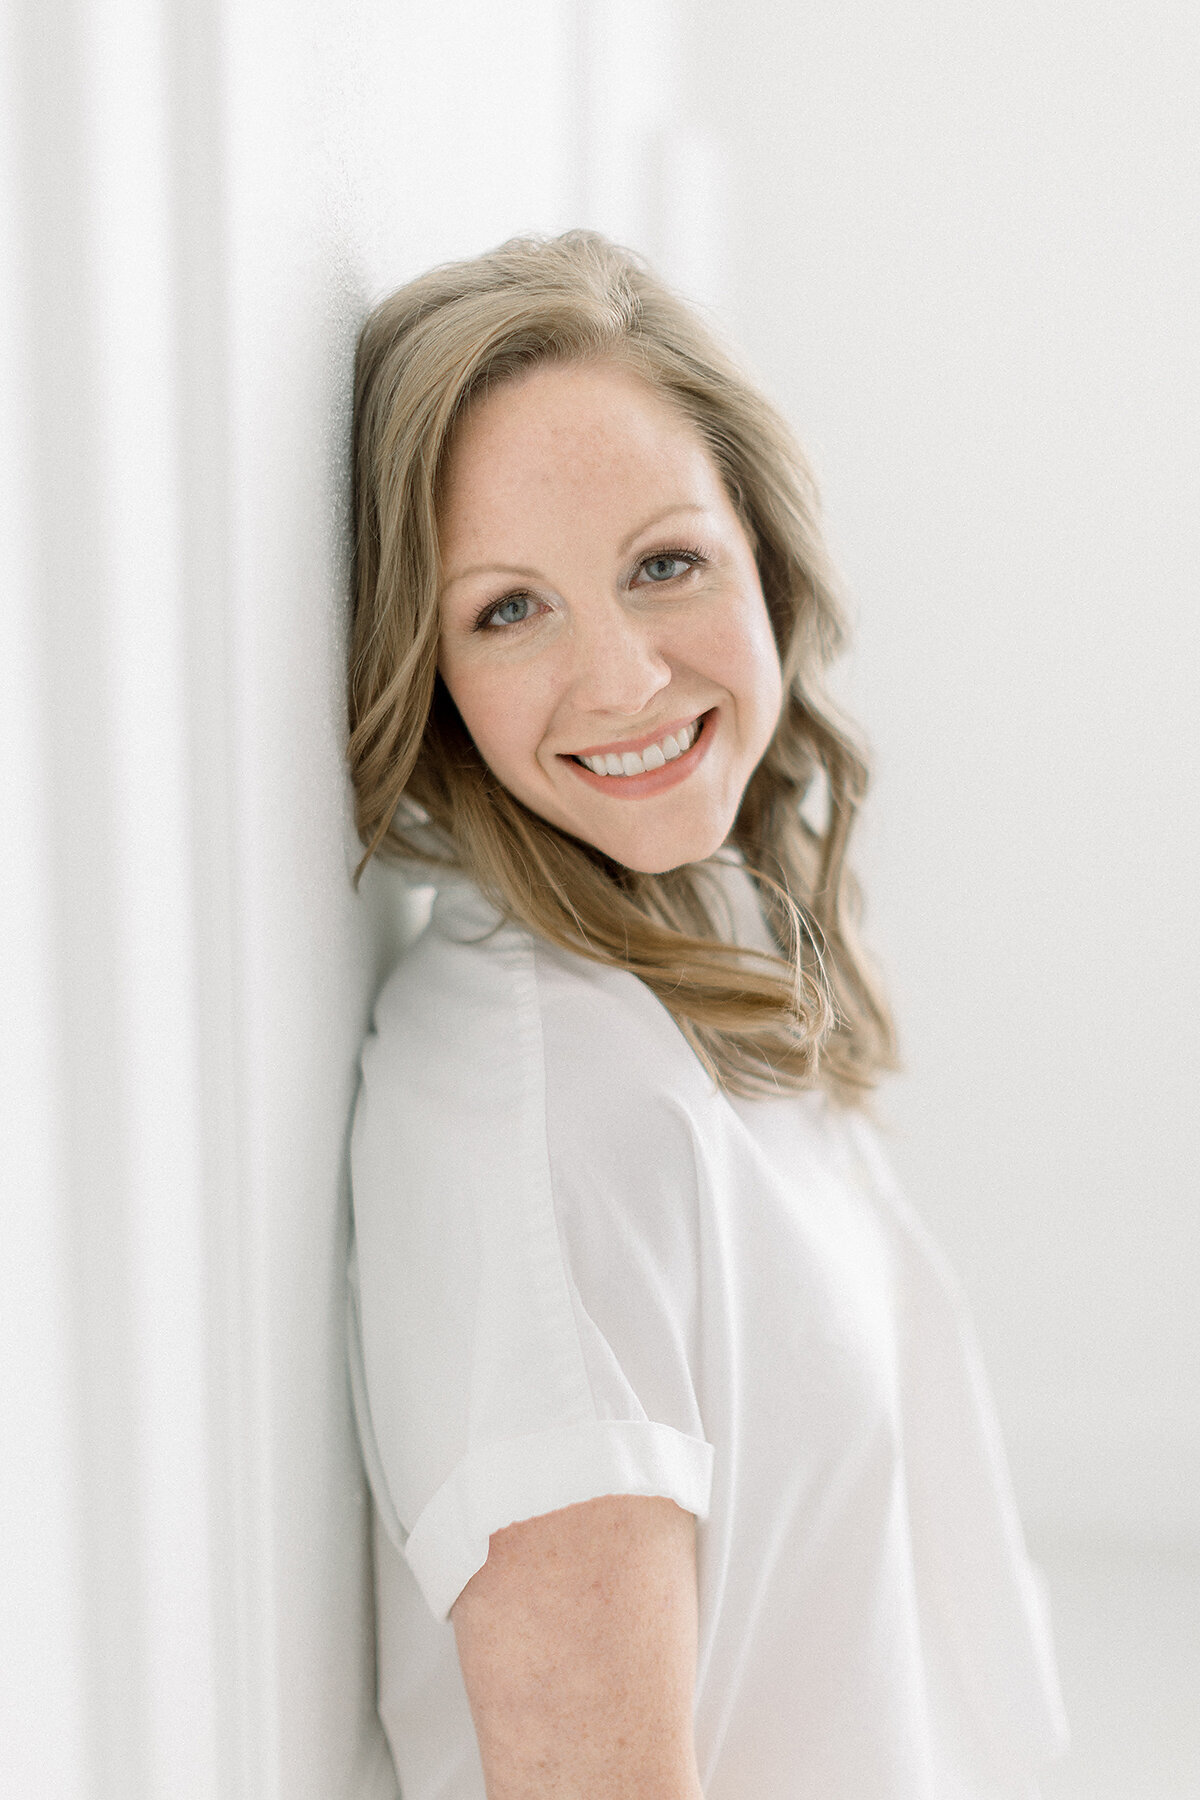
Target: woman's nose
619,668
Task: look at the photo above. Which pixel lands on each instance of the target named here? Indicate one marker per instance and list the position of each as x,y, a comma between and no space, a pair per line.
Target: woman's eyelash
487,611
676,553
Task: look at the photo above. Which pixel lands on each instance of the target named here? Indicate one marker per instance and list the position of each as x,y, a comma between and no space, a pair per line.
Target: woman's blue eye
665,568
513,611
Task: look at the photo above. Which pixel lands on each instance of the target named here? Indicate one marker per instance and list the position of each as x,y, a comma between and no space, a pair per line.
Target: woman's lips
654,781
638,744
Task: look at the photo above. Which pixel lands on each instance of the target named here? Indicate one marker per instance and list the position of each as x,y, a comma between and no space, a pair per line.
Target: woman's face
603,630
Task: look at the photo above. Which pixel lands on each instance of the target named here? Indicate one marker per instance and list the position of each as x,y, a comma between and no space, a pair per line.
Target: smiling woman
442,366
685,1473
620,649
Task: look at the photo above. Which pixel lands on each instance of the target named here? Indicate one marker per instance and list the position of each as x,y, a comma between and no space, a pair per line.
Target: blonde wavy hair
809,1016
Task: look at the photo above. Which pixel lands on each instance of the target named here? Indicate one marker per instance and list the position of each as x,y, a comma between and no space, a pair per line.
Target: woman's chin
653,835
653,852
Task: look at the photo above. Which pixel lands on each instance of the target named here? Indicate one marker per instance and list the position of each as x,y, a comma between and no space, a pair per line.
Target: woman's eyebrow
491,569
668,512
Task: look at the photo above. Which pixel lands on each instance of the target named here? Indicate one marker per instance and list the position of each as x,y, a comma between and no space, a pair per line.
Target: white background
958,246
964,255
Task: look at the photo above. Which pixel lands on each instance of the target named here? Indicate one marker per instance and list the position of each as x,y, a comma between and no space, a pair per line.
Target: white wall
199,202
962,250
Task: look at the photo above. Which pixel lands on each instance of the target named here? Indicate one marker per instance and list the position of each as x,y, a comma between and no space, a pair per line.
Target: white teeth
654,756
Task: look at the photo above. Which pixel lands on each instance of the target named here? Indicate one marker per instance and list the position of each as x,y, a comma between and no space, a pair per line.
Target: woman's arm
577,1641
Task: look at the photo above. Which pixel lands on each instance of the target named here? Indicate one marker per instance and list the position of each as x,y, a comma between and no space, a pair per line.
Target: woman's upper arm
577,1641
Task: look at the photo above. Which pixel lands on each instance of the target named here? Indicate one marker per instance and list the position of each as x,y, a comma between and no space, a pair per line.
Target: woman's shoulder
480,999
507,1080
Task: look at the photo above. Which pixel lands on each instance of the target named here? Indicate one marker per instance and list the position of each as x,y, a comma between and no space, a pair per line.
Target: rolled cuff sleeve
521,1478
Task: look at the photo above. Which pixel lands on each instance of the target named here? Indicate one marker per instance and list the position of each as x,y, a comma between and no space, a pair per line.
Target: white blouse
582,1269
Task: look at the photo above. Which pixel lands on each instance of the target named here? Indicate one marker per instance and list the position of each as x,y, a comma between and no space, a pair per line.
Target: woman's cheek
508,712
739,655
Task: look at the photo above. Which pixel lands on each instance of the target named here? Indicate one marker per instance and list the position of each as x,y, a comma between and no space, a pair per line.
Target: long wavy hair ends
812,1015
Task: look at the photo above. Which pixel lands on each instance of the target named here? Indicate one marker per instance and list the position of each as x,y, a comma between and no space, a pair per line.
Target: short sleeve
523,1312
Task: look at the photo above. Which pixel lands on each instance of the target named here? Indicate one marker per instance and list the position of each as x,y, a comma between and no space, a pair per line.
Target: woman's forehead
571,435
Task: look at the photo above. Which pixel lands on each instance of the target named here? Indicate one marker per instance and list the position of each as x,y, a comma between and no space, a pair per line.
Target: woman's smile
603,631
647,765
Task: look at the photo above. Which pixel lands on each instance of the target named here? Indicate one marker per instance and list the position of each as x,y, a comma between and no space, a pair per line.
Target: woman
685,1475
